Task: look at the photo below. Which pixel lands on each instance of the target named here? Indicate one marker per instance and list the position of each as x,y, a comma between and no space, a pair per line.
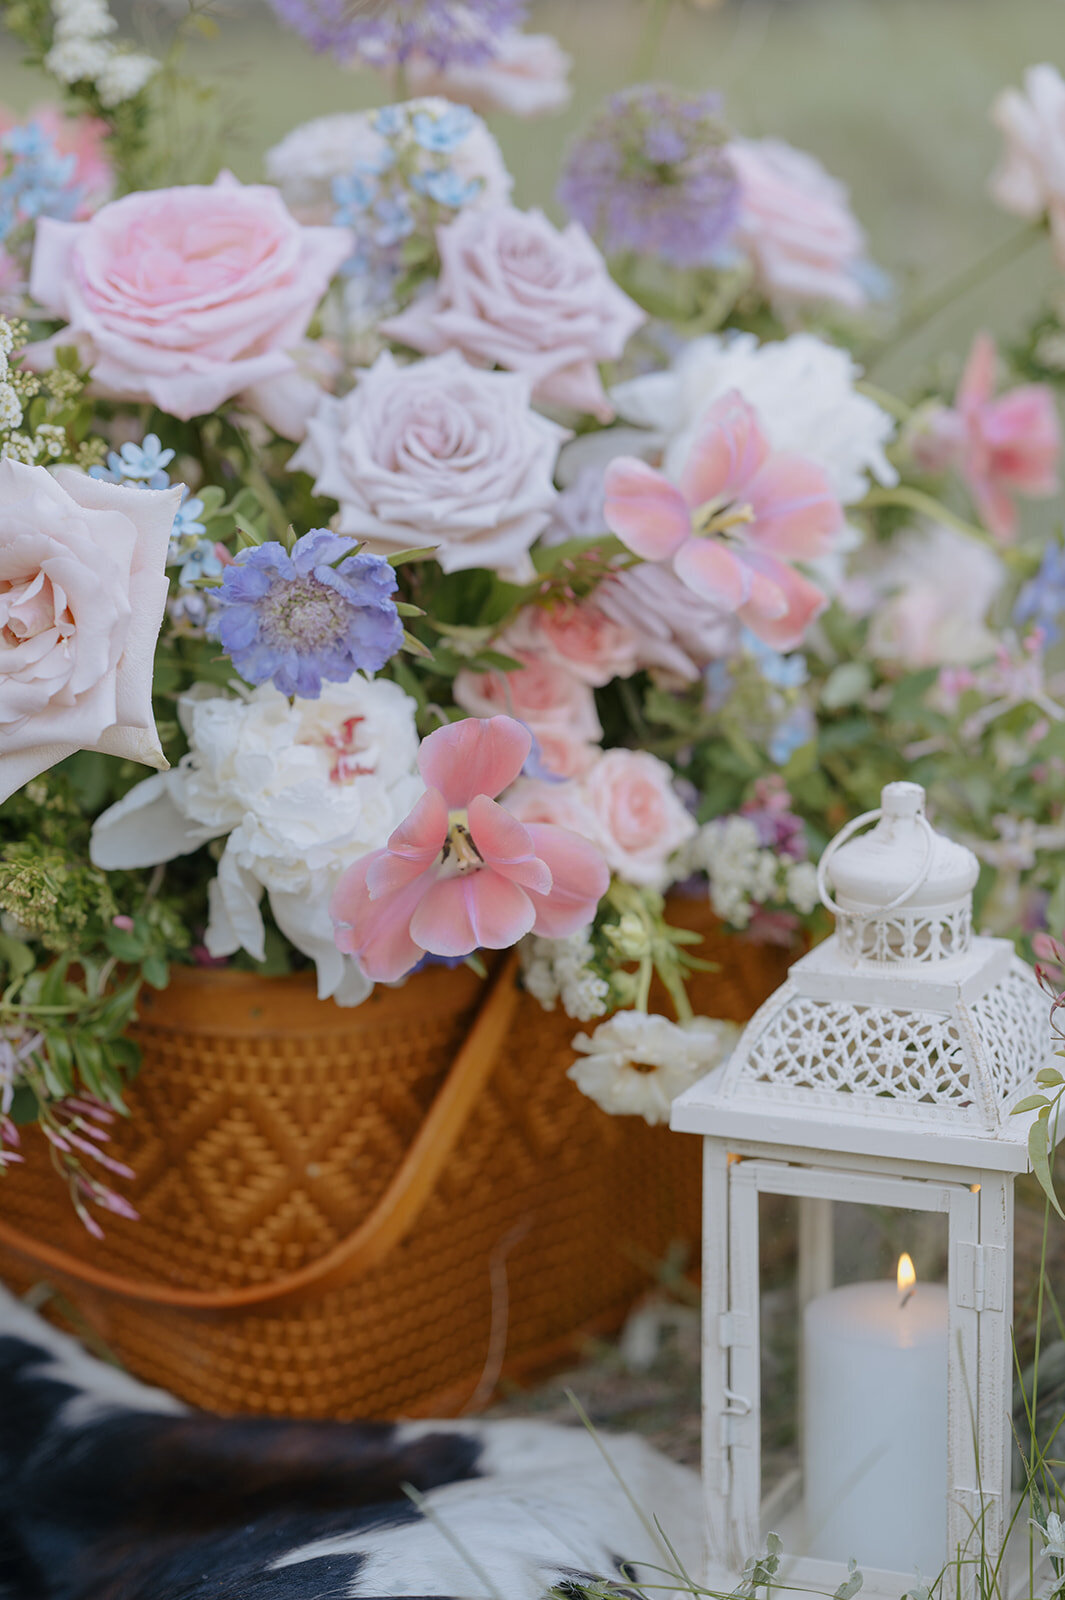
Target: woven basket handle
388,1223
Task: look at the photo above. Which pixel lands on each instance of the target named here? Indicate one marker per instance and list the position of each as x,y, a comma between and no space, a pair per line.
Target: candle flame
905,1277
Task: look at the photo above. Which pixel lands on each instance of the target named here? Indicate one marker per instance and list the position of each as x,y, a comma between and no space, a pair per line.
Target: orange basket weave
375,1211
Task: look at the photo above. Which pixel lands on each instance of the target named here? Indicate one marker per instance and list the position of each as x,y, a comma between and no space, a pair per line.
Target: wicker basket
366,1212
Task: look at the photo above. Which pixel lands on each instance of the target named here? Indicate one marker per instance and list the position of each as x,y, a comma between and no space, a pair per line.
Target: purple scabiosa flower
653,176
388,35
318,614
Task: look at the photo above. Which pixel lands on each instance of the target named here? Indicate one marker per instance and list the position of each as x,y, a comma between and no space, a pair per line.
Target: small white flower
77,60
10,407
537,974
125,75
801,886
1053,1534
82,19
635,1064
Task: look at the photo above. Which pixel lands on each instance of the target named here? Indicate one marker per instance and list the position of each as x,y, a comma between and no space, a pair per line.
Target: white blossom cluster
83,52
10,403
560,969
745,876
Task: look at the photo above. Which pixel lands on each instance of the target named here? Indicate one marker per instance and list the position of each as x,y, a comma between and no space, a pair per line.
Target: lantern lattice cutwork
882,1074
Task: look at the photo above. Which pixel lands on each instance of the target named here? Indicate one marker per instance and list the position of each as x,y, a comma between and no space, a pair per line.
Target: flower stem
916,500
650,39
962,283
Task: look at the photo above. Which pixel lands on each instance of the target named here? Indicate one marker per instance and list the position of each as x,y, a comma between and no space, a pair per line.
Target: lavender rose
515,292
437,454
82,593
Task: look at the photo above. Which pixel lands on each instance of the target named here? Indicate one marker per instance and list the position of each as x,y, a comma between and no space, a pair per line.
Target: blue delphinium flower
652,175
38,182
446,187
1042,599
783,672
789,735
444,130
317,614
143,464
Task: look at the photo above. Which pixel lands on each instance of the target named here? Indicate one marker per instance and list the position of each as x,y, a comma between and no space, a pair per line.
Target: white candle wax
875,1424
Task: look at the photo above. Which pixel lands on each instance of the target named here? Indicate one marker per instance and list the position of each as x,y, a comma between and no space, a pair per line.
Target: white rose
301,788
636,1065
437,454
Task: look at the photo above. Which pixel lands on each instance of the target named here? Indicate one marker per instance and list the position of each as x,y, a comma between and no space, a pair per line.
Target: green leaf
401,557
15,956
405,609
1039,1156
24,1106
1049,1076
416,647
847,685
156,971
1031,1102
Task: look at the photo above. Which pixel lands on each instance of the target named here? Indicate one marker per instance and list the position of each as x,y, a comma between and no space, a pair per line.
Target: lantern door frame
978,1207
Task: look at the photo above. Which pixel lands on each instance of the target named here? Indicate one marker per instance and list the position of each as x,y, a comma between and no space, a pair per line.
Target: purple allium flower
443,31
321,613
652,175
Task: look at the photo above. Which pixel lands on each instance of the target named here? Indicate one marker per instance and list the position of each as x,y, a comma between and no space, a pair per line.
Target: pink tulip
739,516
1009,445
462,872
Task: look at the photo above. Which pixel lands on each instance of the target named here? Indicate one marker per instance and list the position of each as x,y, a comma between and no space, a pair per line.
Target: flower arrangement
470,579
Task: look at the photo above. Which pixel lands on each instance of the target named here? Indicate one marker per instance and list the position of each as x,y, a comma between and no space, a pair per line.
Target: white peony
932,592
804,392
307,160
636,1065
301,788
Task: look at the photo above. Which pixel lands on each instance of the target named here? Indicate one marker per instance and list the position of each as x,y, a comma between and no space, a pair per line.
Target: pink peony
82,594
462,873
797,226
441,454
185,297
558,708
640,821
1001,447
579,636
527,75
1030,178
739,517
515,292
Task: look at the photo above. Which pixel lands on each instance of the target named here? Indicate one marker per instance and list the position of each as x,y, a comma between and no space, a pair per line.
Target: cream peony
299,790
516,292
1030,178
82,595
307,160
635,1065
437,454
802,388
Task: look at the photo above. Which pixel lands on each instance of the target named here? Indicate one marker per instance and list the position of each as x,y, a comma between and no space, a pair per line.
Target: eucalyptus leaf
1039,1156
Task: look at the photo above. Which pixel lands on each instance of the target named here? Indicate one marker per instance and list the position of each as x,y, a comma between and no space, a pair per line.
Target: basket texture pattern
268,1127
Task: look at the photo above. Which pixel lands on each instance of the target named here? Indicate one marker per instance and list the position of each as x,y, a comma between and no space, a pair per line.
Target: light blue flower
143,463
390,120
353,193
783,672
200,562
186,520
789,735
442,131
395,220
1042,599
446,187
39,181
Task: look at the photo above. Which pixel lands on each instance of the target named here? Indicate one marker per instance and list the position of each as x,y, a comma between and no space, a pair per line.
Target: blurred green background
892,95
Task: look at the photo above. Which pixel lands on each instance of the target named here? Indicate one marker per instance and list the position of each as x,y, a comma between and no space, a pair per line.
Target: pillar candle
875,1426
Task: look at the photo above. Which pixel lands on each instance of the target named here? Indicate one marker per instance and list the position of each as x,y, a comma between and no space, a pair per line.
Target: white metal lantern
881,1074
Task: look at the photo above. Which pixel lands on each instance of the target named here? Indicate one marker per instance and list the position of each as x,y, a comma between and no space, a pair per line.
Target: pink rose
1030,178
561,805
438,453
515,292
641,823
557,707
526,75
185,297
797,226
579,636
82,593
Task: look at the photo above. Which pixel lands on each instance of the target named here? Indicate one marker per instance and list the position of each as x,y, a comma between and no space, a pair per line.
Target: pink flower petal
775,583
580,878
475,756
1023,433
648,514
978,379
412,847
474,910
729,450
505,845
376,932
796,514
710,568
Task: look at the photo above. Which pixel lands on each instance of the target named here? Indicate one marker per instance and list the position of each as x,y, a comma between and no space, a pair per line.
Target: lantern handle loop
848,832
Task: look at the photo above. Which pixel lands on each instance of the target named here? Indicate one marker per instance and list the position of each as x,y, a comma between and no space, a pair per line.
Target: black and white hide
110,1490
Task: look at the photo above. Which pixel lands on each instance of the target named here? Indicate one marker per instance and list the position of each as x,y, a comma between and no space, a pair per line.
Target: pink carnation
1002,446
557,707
1030,178
515,292
797,226
185,297
526,75
461,872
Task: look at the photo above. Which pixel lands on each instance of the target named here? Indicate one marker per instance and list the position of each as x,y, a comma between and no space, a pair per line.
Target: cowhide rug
110,1490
